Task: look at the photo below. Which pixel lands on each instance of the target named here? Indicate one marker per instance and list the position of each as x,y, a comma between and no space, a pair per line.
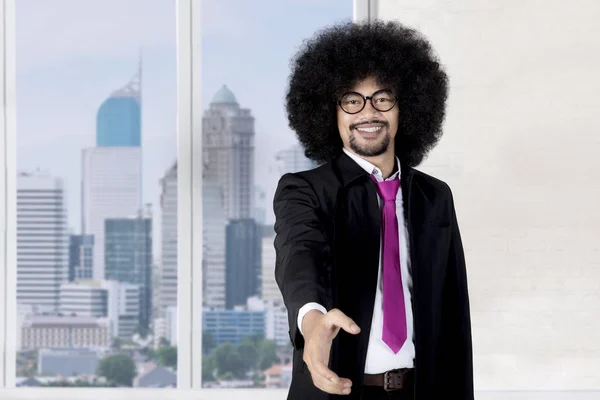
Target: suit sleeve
301,249
456,370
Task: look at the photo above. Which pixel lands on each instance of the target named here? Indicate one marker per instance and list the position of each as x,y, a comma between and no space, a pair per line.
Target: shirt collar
370,168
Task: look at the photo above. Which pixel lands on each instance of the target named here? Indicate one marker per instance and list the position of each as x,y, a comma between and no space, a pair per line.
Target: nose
369,110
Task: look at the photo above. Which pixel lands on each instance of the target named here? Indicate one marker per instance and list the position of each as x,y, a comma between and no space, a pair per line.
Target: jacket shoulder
427,179
320,184
323,175
431,186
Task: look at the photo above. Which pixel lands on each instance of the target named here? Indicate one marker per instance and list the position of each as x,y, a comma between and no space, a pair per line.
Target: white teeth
374,129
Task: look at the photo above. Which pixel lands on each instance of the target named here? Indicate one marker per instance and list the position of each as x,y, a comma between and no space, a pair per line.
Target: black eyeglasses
353,102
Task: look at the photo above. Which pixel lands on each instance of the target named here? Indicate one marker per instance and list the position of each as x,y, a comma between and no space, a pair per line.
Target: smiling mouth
370,129
370,132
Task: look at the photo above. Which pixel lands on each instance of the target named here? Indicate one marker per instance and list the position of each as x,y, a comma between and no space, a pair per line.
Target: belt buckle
387,380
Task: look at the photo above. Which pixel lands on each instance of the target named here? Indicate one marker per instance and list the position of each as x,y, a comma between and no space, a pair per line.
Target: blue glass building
81,260
118,121
243,251
232,326
128,258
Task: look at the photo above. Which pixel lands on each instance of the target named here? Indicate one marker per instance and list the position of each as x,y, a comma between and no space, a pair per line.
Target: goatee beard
369,151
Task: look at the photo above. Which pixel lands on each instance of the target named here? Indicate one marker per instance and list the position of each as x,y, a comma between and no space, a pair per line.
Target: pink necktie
394,313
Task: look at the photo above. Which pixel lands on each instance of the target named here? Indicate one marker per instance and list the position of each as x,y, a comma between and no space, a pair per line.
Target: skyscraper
167,295
228,152
119,118
243,262
111,188
128,257
112,171
81,252
117,301
213,246
42,241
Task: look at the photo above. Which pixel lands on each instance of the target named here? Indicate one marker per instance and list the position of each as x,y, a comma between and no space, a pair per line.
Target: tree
208,342
163,342
248,352
268,354
208,368
167,356
228,360
258,379
257,338
227,376
119,369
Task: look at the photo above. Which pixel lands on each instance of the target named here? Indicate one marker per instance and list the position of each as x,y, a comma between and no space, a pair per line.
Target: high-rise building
119,118
117,301
42,241
112,188
84,300
213,257
167,295
228,152
293,159
81,248
242,261
128,257
112,171
128,307
270,290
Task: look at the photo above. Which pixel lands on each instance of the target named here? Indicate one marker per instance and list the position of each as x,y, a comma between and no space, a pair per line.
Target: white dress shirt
379,356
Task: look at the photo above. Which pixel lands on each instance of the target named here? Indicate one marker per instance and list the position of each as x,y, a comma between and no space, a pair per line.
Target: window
95,146
246,48
100,102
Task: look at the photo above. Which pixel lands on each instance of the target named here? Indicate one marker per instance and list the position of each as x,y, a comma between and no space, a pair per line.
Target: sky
72,54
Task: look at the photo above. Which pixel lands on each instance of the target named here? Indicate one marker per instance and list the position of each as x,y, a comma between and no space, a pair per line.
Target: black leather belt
391,380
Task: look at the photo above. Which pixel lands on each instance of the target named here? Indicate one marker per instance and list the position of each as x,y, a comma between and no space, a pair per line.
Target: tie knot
387,189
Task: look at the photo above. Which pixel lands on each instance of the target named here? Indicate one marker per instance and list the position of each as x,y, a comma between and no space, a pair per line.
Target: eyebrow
378,90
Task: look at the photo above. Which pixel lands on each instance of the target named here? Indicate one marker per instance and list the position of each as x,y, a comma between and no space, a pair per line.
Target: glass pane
247,146
96,193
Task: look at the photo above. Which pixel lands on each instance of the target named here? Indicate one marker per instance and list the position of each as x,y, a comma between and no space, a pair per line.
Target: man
369,254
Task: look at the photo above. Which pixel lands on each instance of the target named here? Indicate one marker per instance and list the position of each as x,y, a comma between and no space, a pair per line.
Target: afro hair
338,57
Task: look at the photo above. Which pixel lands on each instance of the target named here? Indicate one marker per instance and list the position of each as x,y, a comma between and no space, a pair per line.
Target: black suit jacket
327,245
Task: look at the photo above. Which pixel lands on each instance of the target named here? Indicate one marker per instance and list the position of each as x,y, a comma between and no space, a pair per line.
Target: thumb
339,319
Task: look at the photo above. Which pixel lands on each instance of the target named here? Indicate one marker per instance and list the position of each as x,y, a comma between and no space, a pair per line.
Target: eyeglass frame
365,98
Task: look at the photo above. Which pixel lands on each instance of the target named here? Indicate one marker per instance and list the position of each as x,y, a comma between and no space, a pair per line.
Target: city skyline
110,141
64,81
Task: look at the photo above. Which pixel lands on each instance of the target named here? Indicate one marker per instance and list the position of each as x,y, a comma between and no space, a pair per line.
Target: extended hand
319,331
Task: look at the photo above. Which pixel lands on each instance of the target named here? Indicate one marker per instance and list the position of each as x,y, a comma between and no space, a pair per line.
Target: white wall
520,151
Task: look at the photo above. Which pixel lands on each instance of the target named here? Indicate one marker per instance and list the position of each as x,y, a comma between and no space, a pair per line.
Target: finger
330,387
323,372
337,318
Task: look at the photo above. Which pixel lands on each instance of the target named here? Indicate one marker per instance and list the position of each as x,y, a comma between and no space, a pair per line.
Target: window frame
189,168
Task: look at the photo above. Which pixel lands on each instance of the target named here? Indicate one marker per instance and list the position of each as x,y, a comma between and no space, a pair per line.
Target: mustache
375,121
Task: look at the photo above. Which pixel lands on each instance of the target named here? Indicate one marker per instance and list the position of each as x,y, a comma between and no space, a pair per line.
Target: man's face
370,132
